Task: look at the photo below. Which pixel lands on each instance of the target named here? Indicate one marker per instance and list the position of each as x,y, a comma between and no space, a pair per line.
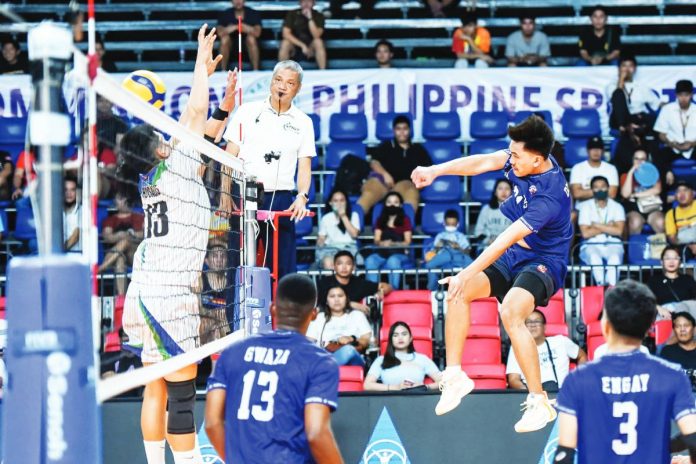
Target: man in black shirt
357,288
251,32
684,351
599,44
392,164
13,60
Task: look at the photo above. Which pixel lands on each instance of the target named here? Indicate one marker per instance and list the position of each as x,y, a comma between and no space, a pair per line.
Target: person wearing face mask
338,229
393,233
634,193
450,249
601,224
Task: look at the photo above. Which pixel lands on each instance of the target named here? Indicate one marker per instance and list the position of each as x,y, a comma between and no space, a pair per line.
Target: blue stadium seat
580,123
637,247
482,185
441,151
522,115
303,227
12,135
685,172
361,214
433,216
383,125
483,147
316,161
348,127
445,188
102,213
488,125
575,151
316,122
441,126
5,223
408,209
25,226
335,151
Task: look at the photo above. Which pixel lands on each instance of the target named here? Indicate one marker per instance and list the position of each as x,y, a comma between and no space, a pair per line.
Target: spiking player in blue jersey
271,396
618,410
523,267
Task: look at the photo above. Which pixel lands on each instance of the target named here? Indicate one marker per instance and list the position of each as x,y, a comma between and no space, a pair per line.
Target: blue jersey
624,404
269,379
542,202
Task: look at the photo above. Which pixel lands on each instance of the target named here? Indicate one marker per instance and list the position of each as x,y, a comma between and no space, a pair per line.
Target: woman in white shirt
340,330
491,222
401,367
338,230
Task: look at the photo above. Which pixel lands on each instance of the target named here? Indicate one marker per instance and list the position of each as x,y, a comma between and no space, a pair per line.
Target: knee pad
181,397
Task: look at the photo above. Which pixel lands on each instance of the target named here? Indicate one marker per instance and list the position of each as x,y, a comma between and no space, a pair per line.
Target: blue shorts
551,270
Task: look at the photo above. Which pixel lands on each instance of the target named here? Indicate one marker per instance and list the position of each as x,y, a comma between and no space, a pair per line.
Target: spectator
392,164
632,107
680,223
601,222
25,172
491,222
110,130
6,175
527,47
340,330
251,32
582,173
676,127
123,232
555,354
599,44
356,287
471,44
214,323
450,249
442,8
303,29
384,52
671,288
13,60
393,234
640,201
338,229
72,217
105,61
401,367
683,352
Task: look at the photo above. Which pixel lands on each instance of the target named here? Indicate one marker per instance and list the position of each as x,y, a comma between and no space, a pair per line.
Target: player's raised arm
466,166
321,440
196,111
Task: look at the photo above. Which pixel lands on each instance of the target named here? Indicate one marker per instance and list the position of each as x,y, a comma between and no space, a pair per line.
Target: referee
275,140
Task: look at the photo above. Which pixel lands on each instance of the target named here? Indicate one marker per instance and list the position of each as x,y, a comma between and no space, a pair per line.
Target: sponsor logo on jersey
541,268
385,445
532,189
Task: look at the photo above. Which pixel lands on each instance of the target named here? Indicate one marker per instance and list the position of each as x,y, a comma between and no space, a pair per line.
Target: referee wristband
219,114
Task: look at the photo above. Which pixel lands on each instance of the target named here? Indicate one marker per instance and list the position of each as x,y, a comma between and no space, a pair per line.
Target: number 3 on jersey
156,220
629,410
267,380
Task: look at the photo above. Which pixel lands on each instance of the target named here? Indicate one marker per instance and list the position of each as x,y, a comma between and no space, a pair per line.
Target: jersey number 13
268,381
156,220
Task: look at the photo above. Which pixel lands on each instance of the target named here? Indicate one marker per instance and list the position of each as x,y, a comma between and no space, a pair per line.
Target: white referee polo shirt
271,142
679,126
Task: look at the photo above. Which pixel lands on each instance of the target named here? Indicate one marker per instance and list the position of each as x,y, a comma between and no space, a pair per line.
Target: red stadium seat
555,310
482,351
592,343
484,318
410,306
486,376
663,329
591,303
556,329
422,340
351,378
112,342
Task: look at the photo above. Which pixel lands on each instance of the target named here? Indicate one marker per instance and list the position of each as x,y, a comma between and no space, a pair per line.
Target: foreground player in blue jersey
271,396
523,267
618,410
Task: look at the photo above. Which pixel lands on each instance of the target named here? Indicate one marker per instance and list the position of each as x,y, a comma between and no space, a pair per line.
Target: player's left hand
299,209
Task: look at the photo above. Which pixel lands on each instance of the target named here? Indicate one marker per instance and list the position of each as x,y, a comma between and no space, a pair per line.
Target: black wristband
564,455
219,114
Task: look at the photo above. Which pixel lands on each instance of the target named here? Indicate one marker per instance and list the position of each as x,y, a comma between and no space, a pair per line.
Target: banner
416,91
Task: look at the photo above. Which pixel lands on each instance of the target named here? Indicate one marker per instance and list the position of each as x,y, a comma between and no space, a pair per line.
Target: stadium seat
433,216
410,306
445,188
580,123
335,151
316,123
484,318
556,329
422,339
486,376
346,127
685,172
555,310
112,342
351,378
663,329
13,135
441,151
441,126
408,209
484,147
522,115
592,343
303,227
591,303
575,151
482,351
488,124
25,227
639,251
483,184
384,122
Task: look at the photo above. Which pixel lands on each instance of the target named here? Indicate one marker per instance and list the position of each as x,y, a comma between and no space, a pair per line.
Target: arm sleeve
583,215
482,221
319,19
218,379
362,326
484,39
539,212
571,348
423,156
367,287
287,21
661,124
431,368
307,148
670,224
314,330
613,176
615,40
683,397
566,401
509,47
462,241
355,220
575,175
323,225
513,366
376,368
544,48
618,214
323,383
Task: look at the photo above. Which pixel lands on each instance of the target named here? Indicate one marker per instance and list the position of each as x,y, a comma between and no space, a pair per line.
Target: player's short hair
296,296
401,119
685,315
596,178
535,134
669,248
344,253
631,308
289,64
543,316
469,18
386,43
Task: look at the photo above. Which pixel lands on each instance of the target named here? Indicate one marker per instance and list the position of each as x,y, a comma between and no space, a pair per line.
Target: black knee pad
181,397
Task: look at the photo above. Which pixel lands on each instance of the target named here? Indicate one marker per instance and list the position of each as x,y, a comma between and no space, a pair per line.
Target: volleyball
146,85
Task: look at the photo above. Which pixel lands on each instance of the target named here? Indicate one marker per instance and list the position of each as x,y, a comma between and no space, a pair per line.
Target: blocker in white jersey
162,310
